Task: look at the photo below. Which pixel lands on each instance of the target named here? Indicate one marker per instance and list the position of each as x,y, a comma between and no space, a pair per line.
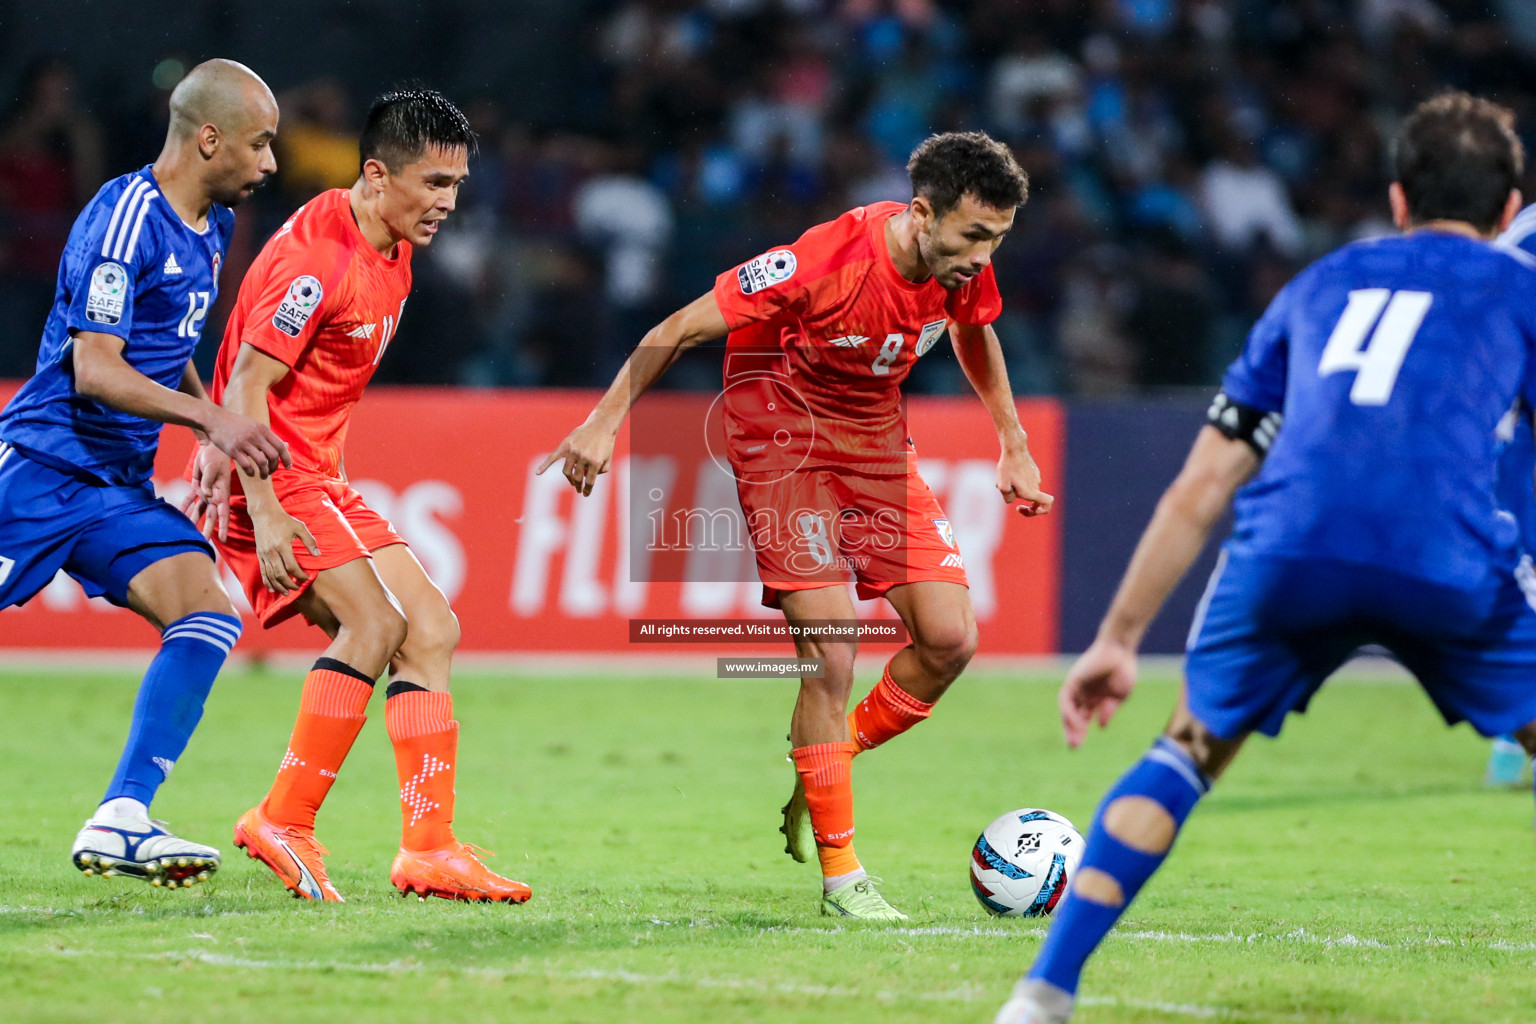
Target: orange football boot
293,855
453,873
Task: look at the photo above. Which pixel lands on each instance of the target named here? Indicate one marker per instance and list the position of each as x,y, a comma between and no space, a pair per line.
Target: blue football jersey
1393,362
134,269
1517,472
1517,461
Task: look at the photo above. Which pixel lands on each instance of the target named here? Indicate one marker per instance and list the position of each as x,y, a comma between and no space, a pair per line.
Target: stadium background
1186,156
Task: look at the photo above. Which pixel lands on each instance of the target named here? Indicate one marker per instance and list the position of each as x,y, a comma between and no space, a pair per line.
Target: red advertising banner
530,566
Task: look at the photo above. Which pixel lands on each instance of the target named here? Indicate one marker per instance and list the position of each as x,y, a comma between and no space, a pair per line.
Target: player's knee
382,631
1099,887
947,649
1141,823
1209,752
217,601
432,634
838,661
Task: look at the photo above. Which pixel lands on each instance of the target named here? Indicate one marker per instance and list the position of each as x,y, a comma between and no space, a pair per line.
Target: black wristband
1240,422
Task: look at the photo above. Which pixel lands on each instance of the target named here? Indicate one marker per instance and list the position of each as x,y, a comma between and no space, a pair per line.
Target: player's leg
182,597
1131,835
1262,644
907,554
350,603
942,625
823,757
1525,736
140,552
1507,761
418,712
1475,656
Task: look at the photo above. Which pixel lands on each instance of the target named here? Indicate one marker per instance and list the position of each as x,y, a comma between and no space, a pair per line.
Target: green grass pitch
1354,871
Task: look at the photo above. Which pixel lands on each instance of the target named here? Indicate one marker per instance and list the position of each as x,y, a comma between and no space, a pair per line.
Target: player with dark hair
822,334
316,311
1374,516
78,441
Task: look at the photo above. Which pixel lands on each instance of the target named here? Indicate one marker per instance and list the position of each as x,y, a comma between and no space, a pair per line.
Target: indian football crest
218,261
930,334
945,533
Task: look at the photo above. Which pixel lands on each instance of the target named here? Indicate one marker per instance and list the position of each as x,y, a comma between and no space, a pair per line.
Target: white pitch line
1299,935
961,994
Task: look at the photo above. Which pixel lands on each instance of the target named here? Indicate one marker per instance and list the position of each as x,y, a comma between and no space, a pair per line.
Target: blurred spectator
1030,71
50,166
1246,202
317,140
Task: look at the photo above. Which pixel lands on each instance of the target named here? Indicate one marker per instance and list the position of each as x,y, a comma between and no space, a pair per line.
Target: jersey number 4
1377,355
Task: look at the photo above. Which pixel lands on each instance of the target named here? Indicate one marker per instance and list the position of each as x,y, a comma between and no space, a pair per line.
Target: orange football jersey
325,302
823,333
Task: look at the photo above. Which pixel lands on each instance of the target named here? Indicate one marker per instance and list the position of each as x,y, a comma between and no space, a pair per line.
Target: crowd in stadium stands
1186,157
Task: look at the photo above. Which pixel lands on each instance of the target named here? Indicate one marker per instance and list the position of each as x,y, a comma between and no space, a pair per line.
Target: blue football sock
170,701
1166,775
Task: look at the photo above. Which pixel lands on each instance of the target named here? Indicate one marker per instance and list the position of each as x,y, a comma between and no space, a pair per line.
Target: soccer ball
1021,863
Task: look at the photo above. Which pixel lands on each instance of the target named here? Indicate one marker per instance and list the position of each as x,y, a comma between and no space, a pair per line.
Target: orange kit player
822,334
314,315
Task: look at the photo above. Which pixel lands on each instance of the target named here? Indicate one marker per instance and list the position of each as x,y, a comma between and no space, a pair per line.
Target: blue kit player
1365,408
1507,759
78,441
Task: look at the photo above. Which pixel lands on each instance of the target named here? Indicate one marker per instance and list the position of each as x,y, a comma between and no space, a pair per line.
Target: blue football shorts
1270,630
102,535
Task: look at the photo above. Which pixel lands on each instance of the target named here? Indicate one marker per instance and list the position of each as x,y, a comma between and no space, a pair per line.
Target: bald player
78,441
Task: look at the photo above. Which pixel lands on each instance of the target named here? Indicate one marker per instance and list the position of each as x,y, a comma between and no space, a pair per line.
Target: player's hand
276,531
1098,683
587,451
1018,479
207,502
253,446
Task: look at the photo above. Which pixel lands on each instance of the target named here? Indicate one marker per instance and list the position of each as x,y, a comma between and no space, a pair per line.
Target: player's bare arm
207,500
1101,680
588,449
981,357
254,375
102,374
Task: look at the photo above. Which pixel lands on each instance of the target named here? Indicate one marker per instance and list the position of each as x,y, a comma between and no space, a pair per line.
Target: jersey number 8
1377,359
889,353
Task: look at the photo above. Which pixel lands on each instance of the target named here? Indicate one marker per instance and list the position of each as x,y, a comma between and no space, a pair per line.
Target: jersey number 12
1377,355
192,322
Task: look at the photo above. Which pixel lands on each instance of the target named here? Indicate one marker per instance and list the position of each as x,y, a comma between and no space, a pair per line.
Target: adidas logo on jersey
171,266
952,561
849,341
364,331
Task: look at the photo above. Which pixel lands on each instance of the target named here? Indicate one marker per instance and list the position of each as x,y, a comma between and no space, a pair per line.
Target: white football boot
1035,1002
139,847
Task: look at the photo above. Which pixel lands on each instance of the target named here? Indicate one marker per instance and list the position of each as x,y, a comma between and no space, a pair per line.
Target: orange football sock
824,771
887,712
426,739
330,717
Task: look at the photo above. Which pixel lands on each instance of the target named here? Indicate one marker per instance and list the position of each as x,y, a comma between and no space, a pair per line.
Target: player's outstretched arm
253,376
1187,513
102,374
588,449
981,357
